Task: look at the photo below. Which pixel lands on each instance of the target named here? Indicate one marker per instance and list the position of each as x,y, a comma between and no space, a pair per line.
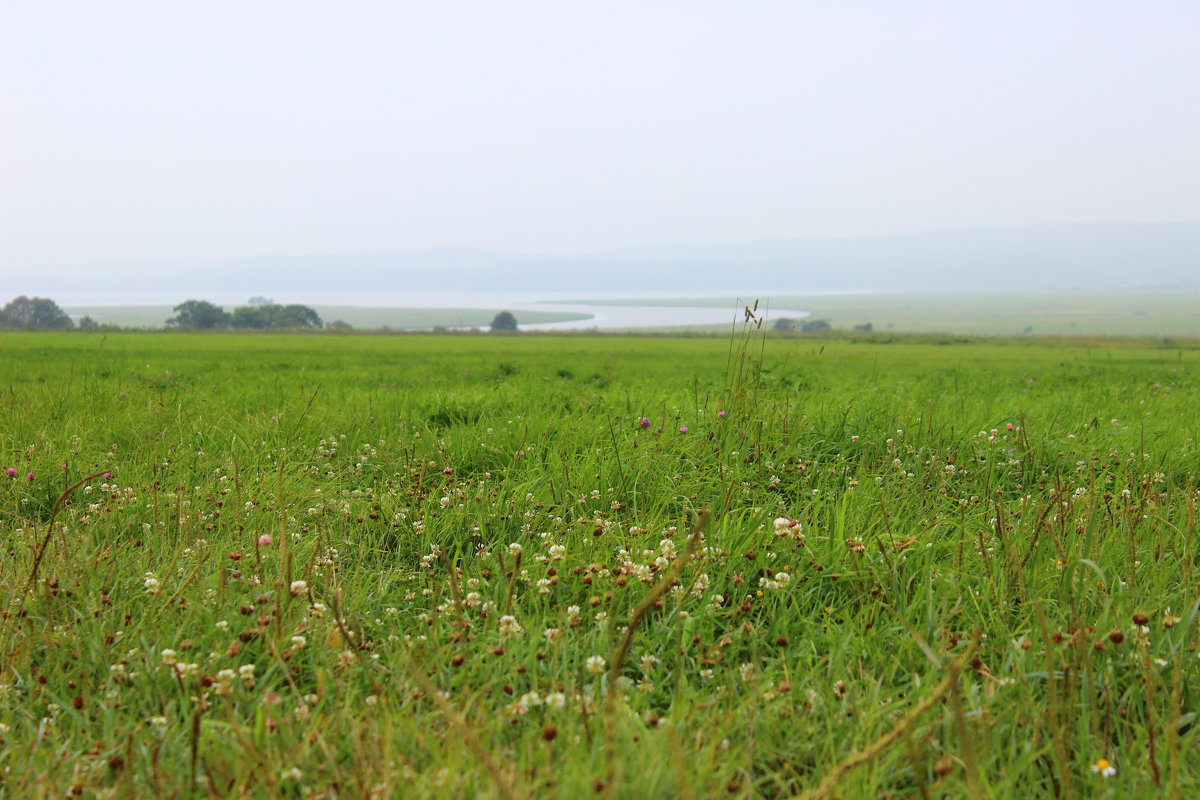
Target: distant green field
533,566
1004,313
357,316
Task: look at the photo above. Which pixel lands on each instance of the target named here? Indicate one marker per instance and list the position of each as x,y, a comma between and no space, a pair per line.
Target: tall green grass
462,567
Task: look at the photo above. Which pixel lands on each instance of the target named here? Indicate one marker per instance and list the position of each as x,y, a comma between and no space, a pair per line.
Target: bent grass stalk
947,685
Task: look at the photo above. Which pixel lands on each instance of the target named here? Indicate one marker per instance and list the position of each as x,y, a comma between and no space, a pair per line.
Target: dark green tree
784,324
813,326
198,314
504,321
251,317
37,313
294,316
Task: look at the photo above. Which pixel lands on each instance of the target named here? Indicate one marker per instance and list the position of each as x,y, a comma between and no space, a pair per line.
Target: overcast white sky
143,129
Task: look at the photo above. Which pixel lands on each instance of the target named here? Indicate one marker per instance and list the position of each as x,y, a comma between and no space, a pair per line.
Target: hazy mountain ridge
1044,256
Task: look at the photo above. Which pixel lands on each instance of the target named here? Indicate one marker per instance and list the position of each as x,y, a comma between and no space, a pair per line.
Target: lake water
601,316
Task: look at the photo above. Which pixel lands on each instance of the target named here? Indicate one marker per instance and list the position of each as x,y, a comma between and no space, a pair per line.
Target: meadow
533,566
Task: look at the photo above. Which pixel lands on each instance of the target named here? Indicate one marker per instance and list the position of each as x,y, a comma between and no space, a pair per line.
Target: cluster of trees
787,324
204,315
35,313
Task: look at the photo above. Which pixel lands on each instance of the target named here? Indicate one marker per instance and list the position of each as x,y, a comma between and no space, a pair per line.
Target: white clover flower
299,588
509,625
595,664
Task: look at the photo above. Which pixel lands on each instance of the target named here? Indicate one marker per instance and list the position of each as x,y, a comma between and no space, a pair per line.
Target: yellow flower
1104,768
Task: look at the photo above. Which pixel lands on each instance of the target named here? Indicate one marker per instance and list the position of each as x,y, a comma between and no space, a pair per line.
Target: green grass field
416,566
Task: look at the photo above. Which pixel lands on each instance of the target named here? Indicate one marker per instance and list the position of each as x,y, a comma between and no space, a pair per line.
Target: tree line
204,315
42,313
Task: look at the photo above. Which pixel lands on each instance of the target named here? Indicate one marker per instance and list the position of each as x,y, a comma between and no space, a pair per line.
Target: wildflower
224,683
168,657
1104,768
12,472
292,774
246,672
264,540
509,625
644,422
29,477
299,588
595,664
683,429
556,700
721,413
151,583
515,549
299,641
527,701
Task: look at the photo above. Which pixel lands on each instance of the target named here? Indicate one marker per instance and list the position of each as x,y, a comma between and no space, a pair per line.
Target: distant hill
1045,256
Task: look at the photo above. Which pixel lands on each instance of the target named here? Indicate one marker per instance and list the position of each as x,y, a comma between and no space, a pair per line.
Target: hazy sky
184,130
